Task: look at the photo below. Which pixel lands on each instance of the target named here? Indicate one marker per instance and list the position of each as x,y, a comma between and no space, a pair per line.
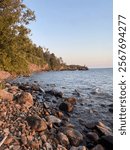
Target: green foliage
16,49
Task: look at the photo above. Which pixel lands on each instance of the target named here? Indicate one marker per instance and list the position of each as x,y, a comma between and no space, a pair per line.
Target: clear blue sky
80,31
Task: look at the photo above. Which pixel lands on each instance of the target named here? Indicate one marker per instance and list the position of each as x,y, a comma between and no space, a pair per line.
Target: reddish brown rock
26,99
4,75
74,136
8,140
36,123
63,139
6,95
71,100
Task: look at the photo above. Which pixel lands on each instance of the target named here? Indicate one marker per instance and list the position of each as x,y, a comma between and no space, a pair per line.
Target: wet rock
78,148
98,147
71,100
36,123
55,93
45,105
6,95
103,129
110,105
66,107
63,139
107,142
93,136
25,99
35,87
74,136
53,119
111,110
60,114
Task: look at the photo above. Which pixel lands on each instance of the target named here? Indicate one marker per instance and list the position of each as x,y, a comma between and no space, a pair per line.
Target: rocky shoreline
33,118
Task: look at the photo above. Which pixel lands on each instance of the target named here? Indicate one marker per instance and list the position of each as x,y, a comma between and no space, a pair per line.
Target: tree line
17,50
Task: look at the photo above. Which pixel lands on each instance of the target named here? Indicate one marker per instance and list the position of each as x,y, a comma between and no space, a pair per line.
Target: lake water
92,88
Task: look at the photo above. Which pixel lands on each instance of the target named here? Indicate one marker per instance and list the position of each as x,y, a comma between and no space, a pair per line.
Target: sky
79,31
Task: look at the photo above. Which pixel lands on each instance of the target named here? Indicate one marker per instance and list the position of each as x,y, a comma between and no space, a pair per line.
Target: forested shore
18,53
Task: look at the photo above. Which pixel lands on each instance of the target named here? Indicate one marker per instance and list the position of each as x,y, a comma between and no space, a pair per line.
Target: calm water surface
92,88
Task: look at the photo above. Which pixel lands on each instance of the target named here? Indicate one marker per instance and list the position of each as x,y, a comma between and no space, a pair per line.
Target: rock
60,114
63,139
48,146
6,95
8,140
36,123
53,119
74,136
111,110
55,93
71,100
30,138
98,147
65,106
103,129
26,99
42,90
78,148
107,142
4,75
93,136
24,139
35,145
45,105
43,138
60,147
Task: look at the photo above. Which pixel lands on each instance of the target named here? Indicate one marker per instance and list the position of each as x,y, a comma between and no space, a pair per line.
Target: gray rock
93,136
53,119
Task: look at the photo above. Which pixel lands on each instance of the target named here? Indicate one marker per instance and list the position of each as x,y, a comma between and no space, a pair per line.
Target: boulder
4,75
36,123
63,139
93,136
6,95
66,107
55,93
74,136
107,142
53,119
25,99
